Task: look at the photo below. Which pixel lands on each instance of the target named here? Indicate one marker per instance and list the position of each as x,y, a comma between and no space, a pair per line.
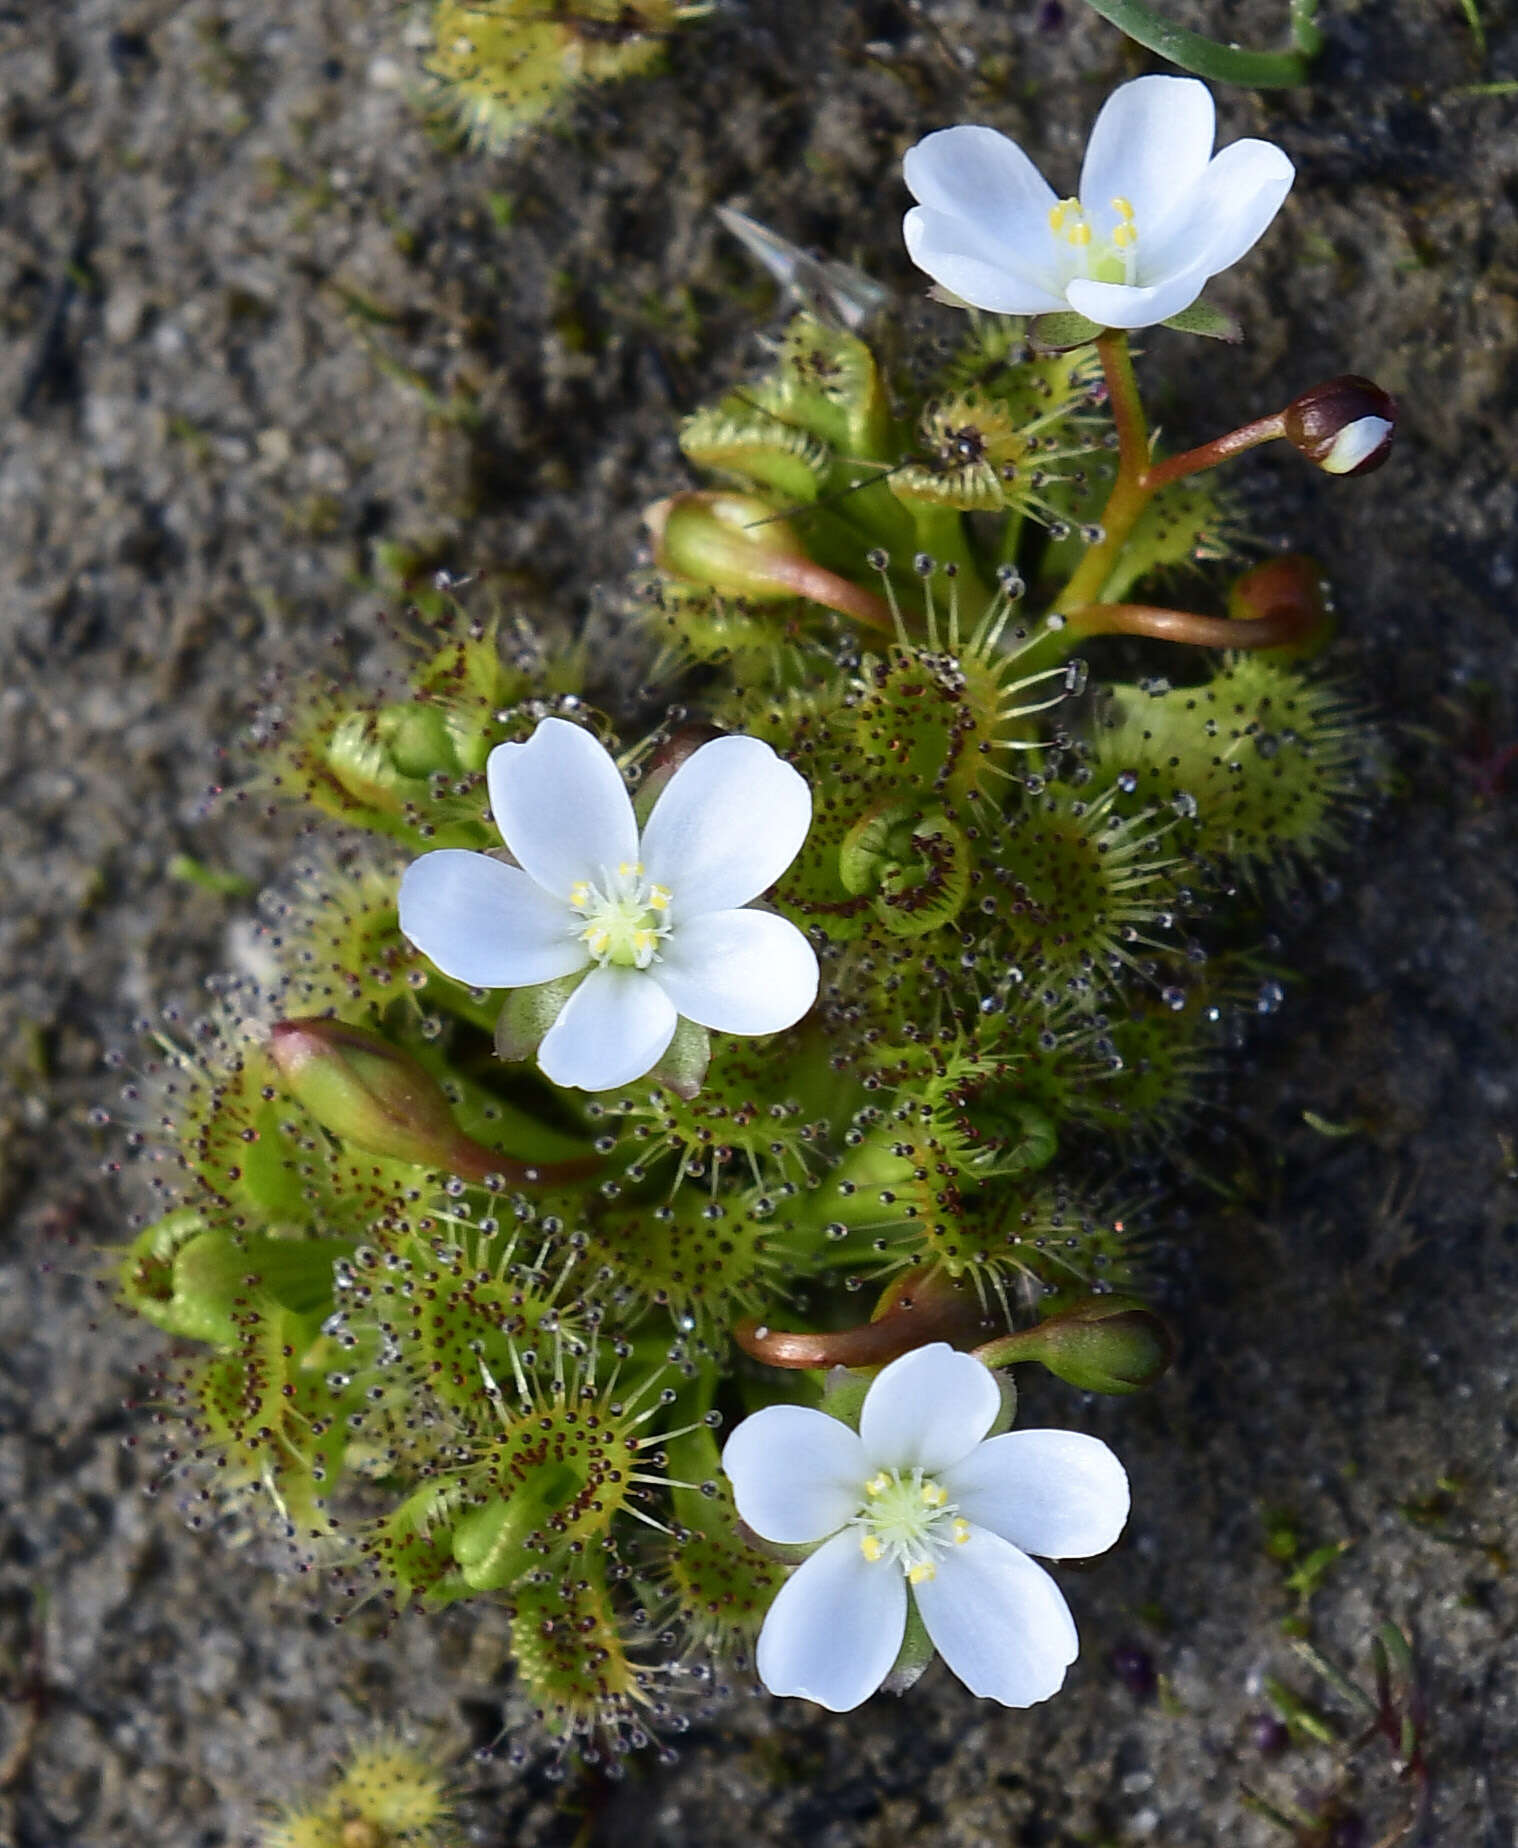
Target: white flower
919,1502
657,925
1157,213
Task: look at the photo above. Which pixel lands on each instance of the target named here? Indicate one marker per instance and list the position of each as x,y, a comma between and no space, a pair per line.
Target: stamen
1122,207
1079,235
624,920
961,1532
922,1572
870,1546
877,1485
1124,235
934,1495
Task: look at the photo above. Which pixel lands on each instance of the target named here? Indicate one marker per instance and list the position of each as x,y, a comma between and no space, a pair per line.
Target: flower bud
731,542
1344,426
1101,1344
375,1096
735,544
1290,591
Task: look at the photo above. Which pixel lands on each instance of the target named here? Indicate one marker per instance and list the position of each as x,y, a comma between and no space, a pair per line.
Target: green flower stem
1130,492
1139,479
1256,70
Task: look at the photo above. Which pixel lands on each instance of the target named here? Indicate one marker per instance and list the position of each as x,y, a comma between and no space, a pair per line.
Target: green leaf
1058,333
1262,70
1211,323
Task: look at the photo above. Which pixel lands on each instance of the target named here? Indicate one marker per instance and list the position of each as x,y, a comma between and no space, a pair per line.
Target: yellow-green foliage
386,1794
503,66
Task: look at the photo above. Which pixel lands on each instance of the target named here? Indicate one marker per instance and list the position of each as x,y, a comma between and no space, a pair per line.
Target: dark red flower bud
1344,426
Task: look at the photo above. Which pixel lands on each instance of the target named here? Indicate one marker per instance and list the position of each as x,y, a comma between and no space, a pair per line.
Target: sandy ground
240,289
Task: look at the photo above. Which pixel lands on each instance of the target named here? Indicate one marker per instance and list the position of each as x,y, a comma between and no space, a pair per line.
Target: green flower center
622,918
908,1521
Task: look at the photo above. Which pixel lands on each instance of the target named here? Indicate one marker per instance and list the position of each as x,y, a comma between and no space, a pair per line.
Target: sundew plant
662,1122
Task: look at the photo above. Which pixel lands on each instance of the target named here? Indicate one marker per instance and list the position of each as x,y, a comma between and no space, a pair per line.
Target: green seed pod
1113,1344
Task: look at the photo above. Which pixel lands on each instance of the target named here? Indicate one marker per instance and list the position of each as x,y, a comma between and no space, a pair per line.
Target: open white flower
920,1503
1157,213
657,926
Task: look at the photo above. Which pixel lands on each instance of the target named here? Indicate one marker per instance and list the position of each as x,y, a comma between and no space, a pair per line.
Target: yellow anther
961,1532
1122,208
1124,235
598,940
922,1572
877,1485
933,1495
644,941
579,894
658,898
1059,213
870,1546
1079,234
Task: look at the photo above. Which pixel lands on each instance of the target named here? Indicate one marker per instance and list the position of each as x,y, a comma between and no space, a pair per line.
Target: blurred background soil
255,323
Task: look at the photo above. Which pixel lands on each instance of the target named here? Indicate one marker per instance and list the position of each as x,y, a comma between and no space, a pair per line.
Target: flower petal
561,806
1060,1494
928,1409
1149,146
738,971
797,1474
982,177
999,1621
726,826
835,1627
1240,194
614,1028
954,254
1118,304
486,924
